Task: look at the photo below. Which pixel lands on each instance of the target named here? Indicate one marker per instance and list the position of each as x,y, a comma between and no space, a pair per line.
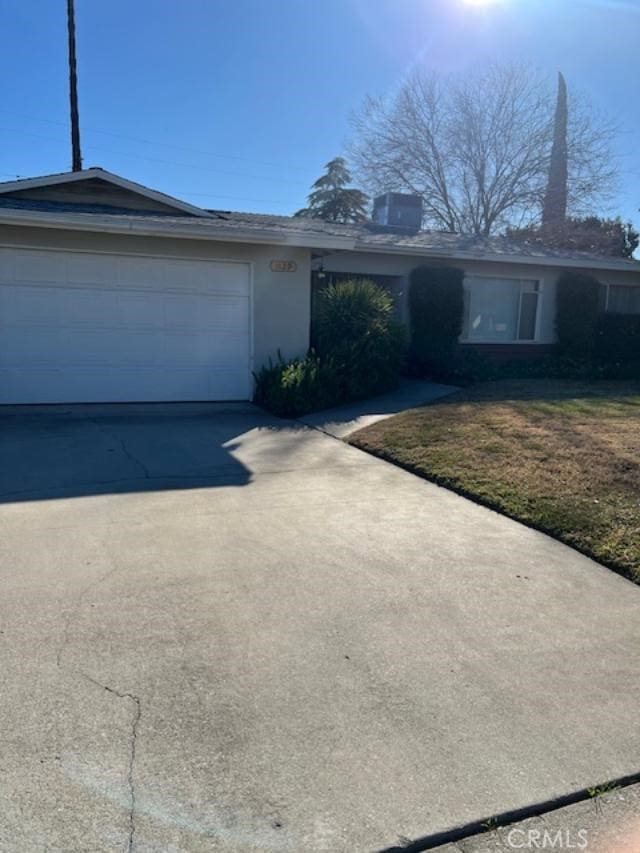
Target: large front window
500,310
623,299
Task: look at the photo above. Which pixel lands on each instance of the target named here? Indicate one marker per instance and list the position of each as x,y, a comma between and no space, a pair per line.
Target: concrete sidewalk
343,420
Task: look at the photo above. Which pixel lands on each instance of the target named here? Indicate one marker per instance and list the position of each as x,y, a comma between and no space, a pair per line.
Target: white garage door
89,327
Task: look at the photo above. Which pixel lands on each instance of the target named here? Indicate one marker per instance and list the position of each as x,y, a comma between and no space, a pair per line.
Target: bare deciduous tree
477,148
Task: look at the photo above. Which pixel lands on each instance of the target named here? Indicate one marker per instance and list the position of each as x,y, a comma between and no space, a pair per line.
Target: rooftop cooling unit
397,210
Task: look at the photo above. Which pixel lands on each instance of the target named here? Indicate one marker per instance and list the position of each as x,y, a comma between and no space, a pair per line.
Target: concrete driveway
221,631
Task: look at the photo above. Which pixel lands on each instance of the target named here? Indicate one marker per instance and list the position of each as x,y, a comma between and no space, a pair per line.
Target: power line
184,193
155,159
161,144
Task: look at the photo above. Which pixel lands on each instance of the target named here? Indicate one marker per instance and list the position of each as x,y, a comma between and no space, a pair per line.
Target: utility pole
76,156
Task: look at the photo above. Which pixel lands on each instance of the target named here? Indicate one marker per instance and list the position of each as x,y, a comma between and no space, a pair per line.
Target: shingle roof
363,237
370,235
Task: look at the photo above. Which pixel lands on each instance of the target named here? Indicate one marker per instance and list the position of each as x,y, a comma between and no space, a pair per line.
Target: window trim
539,280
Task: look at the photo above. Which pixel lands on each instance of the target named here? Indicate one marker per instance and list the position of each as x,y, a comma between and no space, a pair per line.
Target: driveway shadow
68,451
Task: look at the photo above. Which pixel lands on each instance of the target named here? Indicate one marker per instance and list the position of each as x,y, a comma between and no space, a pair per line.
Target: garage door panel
58,348
138,312
45,267
22,385
49,385
113,348
91,308
201,275
108,330
84,268
29,305
222,350
223,384
141,272
207,313
40,347
8,263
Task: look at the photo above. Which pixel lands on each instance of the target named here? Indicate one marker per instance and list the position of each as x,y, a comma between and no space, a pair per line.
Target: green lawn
560,456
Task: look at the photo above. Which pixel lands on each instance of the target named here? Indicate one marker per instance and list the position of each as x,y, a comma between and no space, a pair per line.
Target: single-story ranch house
112,292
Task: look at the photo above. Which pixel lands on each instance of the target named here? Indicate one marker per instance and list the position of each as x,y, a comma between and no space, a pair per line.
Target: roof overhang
627,265
154,227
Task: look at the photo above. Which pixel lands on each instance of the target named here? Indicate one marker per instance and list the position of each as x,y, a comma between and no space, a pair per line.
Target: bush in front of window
577,312
618,338
436,302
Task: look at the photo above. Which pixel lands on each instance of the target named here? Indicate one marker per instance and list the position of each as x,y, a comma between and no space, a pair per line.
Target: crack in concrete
71,614
132,753
130,456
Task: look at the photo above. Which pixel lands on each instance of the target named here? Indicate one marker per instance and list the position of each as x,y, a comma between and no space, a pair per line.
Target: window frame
608,285
539,280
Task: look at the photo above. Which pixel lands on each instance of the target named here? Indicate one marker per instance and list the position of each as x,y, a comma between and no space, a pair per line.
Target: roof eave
135,226
103,223
145,228
319,241
569,263
629,265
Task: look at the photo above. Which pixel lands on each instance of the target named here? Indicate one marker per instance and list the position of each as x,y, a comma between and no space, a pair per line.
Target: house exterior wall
281,300
401,266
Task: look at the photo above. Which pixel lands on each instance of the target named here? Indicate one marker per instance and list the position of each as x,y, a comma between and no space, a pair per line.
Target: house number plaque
283,266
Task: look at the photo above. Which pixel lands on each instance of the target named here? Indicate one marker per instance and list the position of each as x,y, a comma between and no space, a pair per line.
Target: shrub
618,338
293,388
436,301
356,331
361,350
577,311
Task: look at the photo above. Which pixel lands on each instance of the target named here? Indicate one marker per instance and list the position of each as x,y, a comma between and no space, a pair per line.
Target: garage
89,327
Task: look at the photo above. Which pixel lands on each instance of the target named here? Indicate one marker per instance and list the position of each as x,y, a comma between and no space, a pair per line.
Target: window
500,310
623,299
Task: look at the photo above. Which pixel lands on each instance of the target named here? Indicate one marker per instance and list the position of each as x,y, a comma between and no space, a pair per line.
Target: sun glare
481,2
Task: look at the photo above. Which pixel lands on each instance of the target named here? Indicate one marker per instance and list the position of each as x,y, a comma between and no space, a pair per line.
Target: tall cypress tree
554,211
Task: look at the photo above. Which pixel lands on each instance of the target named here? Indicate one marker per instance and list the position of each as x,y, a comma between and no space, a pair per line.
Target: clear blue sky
238,103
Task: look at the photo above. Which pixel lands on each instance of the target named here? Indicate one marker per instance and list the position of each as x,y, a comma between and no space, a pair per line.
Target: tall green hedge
577,312
356,330
618,338
436,302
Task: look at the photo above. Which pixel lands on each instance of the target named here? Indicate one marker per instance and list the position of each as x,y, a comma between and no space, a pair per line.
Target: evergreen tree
332,199
554,211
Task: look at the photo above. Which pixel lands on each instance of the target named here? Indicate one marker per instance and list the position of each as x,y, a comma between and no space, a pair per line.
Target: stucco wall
281,300
402,265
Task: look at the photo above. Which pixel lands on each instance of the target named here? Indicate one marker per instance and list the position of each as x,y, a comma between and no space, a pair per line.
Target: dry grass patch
560,456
